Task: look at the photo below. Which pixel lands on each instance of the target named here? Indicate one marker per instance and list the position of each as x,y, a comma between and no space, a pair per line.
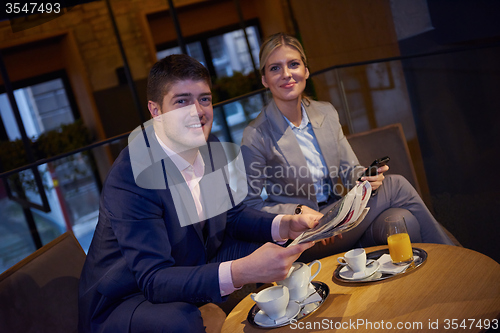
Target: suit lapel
324,135
183,199
285,138
181,195
217,223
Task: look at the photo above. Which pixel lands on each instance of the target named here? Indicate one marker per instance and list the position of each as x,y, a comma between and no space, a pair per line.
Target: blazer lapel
215,161
181,195
325,137
285,138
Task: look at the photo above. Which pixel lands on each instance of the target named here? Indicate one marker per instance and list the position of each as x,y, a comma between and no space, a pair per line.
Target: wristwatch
298,210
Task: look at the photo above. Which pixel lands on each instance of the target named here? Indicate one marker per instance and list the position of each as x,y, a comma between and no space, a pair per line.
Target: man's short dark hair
172,69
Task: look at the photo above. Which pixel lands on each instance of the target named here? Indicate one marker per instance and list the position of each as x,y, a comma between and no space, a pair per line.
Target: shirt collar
303,123
181,164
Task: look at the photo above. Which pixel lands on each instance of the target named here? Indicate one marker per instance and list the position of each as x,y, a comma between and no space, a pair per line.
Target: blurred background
73,86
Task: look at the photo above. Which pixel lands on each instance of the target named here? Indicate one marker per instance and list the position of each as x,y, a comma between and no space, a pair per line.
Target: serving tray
419,257
321,288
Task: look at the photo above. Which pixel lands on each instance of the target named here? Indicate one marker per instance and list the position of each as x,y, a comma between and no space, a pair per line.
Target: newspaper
345,215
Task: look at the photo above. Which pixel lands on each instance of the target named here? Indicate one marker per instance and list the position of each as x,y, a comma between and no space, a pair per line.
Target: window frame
203,39
34,80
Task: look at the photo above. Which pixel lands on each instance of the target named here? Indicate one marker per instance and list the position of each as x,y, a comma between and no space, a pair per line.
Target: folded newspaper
345,215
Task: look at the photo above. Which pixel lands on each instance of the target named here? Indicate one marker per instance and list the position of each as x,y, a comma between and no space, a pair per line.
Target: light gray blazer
274,160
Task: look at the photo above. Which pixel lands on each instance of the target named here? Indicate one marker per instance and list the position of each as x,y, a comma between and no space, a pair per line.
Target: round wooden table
455,290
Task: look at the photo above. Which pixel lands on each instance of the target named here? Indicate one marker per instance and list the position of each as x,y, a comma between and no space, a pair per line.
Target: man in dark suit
172,234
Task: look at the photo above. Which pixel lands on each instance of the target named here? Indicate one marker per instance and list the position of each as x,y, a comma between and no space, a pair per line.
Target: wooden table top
455,290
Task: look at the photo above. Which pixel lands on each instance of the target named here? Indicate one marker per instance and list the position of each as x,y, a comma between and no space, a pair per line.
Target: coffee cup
272,301
299,278
355,259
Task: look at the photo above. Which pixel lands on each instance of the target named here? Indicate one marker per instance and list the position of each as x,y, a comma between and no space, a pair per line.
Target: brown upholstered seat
388,141
385,141
40,293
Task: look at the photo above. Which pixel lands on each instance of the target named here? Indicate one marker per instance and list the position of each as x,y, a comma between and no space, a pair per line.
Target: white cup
273,301
355,259
298,279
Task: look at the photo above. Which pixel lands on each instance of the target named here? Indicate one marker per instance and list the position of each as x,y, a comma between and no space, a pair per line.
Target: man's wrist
285,226
275,230
226,284
237,274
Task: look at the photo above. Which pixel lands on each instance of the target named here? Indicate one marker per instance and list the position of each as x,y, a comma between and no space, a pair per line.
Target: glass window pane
15,239
238,115
50,104
43,107
230,52
220,56
194,50
70,183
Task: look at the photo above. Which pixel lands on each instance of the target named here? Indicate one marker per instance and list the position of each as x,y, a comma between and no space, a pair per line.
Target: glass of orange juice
398,240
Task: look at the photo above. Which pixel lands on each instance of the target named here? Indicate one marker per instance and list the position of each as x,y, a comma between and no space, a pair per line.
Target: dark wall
119,113
117,109
456,105
458,21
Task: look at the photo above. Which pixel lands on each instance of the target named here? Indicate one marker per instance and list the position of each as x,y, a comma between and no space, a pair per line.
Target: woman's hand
330,240
376,181
307,210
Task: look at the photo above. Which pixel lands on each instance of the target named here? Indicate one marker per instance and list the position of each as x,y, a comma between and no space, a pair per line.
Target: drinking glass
398,240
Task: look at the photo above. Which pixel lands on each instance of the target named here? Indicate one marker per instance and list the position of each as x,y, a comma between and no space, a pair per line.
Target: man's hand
269,263
308,210
292,226
376,181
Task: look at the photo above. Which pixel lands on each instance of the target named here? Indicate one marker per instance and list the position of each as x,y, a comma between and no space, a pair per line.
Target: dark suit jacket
140,250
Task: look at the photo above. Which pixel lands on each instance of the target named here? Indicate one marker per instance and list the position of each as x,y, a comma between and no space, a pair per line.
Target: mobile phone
372,169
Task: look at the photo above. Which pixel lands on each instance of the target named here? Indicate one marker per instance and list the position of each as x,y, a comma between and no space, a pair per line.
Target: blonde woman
296,150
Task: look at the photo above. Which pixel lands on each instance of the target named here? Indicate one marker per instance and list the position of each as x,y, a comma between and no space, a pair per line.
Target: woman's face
285,74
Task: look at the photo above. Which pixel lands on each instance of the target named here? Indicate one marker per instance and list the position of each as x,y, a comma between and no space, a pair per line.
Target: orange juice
400,247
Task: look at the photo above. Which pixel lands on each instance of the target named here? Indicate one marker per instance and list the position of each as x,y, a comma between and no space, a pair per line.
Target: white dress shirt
192,175
315,161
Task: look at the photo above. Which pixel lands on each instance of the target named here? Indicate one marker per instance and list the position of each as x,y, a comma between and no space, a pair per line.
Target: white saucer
347,273
292,310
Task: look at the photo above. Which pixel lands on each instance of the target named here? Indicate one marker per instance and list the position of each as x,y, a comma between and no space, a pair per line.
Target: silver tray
378,276
321,288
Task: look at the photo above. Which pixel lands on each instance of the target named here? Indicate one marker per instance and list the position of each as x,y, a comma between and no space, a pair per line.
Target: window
194,50
223,53
71,186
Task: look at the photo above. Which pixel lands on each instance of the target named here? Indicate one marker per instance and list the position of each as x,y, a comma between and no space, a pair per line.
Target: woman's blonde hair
275,41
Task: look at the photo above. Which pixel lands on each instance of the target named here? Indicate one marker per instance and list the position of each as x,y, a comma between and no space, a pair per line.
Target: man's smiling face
184,119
